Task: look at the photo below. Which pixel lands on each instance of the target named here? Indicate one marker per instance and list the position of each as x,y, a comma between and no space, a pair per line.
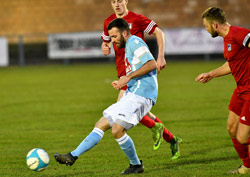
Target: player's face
209,27
119,7
117,37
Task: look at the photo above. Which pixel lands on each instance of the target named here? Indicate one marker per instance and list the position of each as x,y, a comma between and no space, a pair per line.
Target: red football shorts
240,105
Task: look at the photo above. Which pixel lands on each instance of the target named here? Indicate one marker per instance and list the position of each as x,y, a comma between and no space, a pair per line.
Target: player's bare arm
106,48
160,37
221,71
146,68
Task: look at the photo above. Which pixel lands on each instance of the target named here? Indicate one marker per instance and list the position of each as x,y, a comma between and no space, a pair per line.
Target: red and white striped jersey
138,24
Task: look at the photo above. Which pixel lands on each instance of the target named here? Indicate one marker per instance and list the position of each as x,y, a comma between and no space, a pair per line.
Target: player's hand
161,64
120,83
203,78
106,48
115,85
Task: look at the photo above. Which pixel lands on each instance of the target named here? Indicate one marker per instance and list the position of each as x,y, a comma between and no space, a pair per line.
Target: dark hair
119,23
214,14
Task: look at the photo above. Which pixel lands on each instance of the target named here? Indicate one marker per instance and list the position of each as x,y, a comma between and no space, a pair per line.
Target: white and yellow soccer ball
37,159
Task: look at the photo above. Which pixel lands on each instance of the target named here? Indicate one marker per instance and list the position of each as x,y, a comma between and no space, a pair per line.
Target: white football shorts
129,111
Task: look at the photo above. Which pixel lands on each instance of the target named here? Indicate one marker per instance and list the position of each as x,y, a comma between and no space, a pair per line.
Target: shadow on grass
76,172
203,161
209,150
183,163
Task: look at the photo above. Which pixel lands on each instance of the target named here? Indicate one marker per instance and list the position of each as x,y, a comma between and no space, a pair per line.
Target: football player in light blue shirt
136,55
139,98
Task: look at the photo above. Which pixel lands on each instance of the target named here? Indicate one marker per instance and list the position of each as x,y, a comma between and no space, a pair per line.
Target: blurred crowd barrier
86,47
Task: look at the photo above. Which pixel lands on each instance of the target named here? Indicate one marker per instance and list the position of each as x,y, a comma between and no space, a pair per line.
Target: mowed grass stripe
55,107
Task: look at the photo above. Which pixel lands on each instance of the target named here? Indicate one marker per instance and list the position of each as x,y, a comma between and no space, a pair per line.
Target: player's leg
170,138
167,135
88,143
127,146
157,131
126,114
232,124
243,133
93,138
235,109
242,150
125,142
146,121
156,128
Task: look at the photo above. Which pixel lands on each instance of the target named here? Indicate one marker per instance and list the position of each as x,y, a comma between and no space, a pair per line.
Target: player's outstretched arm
106,48
203,78
160,37
221,71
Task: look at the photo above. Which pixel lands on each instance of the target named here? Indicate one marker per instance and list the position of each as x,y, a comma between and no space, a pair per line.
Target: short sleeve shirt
136,55
238,56
138,24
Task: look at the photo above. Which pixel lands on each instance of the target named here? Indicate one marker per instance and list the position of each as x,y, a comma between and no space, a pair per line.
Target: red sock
167,135
147,122
243,152
157,120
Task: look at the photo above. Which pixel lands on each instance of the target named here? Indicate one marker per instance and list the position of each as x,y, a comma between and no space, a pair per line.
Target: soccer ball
37,159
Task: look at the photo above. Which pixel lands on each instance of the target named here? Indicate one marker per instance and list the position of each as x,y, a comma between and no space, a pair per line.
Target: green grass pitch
55,107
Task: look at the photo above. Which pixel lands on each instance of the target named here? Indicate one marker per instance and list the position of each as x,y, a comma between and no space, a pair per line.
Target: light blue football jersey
136,55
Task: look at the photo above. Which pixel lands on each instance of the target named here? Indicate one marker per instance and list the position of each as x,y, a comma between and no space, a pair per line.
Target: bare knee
232,124
118,131
243,133
232,131
103,124
242,140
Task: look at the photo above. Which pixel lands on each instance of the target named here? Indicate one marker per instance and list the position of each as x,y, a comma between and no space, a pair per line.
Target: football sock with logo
167,135
89,142
127,146
147,121
243,152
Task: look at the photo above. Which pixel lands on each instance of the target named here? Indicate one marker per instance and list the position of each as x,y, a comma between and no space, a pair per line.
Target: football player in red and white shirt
139,24
237,54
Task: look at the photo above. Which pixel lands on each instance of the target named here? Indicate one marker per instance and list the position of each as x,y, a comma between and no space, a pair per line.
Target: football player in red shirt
237,55
138,25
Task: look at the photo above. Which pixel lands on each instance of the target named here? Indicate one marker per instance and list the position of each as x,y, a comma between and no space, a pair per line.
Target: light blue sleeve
142,52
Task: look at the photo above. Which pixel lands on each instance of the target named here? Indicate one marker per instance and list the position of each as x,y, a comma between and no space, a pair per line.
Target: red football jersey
238,56
138,24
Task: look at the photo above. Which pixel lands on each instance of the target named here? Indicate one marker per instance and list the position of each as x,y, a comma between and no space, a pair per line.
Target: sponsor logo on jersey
136,41
229,47
243,118
128,66
130,25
